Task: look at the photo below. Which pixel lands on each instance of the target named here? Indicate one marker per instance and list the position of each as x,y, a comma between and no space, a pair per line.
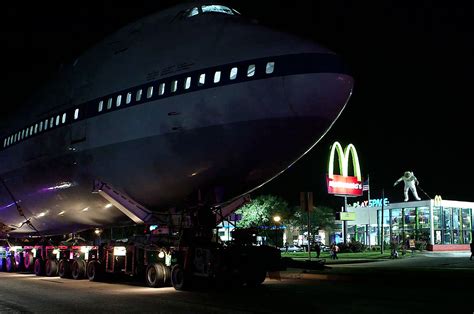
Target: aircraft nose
322,88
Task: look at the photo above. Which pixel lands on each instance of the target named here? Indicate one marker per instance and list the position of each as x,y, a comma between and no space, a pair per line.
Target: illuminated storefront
443,224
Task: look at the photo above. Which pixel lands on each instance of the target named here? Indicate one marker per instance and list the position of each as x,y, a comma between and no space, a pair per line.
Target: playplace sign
343,184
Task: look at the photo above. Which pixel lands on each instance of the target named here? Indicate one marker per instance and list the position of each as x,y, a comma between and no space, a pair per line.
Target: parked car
292,248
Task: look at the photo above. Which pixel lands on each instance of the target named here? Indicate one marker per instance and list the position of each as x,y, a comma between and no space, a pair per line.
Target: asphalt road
414,285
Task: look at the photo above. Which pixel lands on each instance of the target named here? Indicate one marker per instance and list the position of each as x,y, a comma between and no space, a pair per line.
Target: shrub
356,246
420,245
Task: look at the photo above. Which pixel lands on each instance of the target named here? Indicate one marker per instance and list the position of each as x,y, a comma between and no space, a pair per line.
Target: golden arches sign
437,200
344,184
343,156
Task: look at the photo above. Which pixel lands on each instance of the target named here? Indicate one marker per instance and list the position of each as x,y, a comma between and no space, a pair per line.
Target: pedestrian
472,249
286,247
334,250
317,248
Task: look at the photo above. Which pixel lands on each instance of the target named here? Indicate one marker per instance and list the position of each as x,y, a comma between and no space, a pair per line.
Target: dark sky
412,62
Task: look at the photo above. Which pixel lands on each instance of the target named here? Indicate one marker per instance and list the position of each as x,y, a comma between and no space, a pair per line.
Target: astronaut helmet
408,174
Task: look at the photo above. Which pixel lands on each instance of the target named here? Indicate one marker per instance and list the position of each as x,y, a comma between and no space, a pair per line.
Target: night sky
411,60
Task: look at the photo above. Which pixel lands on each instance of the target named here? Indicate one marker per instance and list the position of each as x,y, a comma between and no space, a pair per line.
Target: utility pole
381,226
344,222
368,209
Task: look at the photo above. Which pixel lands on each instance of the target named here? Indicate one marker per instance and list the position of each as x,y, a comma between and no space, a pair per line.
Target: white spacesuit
410,180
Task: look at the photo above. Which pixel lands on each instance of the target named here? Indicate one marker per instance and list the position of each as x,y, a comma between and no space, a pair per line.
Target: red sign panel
344,185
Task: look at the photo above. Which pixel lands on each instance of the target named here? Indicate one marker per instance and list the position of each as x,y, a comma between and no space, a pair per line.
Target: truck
177,249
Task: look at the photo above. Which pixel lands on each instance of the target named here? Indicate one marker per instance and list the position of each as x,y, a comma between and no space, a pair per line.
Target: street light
277,220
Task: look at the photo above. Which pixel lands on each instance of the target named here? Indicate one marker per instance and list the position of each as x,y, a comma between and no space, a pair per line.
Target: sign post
343,184
306,199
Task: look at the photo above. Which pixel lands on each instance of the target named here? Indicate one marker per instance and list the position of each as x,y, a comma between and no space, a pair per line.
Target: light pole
277,220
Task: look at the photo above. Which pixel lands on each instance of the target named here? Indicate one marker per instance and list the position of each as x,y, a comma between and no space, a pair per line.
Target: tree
321,217
261,210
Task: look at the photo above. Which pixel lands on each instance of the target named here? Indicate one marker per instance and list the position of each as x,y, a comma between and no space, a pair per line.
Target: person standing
472,249
317,249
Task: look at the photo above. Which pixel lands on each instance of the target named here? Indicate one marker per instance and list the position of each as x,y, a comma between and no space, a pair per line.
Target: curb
297,275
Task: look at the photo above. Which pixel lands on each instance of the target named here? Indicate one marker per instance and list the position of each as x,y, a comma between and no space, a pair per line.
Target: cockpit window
191,12
217,8
214,8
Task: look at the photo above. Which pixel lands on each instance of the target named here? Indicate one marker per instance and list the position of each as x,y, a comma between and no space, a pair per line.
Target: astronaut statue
409,179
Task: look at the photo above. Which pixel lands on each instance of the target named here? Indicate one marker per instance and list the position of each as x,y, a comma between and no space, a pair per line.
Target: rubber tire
3,264
39,267
156,275
179,279
64,269
19,261
78,269
28,262
51,268
93,271
11,264
256,278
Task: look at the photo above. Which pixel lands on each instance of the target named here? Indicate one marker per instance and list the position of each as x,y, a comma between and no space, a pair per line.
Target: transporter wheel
64,269
93,271
51,268
11,265
156,275
78,269
39,267
3,264
28,261
179,278
19,261
256,277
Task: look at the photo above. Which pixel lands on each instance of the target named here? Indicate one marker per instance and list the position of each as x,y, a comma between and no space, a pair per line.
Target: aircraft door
78,132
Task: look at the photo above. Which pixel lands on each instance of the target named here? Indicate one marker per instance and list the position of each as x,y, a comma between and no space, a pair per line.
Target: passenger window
41,126
119,101
217,76
187,83
161,89
31,130
270,67
149,92
139,95
129,98
202,79
174,86
27,132
46,124
57,120
51,122
36,128
251,70
76,113
63,120
4,142
233,74
101,106
109,103
22,134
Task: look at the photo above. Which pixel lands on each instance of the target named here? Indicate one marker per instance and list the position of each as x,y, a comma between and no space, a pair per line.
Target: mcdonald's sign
437,200
343,184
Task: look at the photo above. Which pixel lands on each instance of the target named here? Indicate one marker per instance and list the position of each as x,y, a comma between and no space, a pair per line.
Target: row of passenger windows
38,127
174,86
118,101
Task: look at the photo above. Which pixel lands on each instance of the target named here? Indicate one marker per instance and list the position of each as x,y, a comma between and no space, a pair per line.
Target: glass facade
451,225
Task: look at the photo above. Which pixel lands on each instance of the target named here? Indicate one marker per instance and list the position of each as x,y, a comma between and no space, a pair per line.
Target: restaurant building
445,225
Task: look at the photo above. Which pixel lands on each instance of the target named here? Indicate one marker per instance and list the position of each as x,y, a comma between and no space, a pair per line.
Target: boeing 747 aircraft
193,98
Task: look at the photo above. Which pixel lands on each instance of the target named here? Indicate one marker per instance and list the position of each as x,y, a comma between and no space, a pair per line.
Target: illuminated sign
346,216
376,202
343,184
437,200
